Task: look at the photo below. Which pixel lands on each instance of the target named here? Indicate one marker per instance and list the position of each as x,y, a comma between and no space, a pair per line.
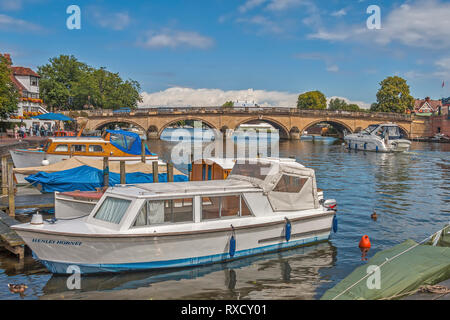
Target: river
410,193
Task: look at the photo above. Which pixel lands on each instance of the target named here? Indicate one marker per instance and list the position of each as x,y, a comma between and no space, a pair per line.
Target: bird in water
374,216
17,288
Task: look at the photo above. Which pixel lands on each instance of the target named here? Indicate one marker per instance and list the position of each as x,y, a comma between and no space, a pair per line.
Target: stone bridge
291,123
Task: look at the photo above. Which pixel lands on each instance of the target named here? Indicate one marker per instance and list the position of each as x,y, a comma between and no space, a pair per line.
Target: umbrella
53,116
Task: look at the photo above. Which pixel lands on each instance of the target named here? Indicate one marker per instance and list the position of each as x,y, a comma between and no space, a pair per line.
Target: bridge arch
340,125
165,126
112,121
283,131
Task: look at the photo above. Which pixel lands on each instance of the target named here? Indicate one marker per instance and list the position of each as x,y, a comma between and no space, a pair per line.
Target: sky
197,52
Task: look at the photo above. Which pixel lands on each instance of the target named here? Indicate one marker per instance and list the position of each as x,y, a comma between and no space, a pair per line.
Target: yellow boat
115,144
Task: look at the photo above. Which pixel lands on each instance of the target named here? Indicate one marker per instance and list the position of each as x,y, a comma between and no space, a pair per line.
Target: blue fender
288,229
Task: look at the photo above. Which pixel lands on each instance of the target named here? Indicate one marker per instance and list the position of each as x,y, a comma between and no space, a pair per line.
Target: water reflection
293,274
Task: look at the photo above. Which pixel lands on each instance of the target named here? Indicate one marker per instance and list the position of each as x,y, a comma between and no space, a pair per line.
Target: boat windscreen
253,170
112,210
370,129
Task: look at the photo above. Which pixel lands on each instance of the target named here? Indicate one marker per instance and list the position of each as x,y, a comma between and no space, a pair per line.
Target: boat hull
143,252
377,145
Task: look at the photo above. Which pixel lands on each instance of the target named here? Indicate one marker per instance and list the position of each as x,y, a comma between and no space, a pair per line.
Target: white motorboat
264,205
384,137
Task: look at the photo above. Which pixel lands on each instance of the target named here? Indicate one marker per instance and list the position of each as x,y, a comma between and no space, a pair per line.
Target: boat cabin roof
181,189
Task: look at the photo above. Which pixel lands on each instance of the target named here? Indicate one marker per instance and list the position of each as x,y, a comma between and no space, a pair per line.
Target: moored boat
386,137
264,205
117,145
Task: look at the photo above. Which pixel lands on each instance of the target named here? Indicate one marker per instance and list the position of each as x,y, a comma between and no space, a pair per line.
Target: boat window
178,210
125,142
79,148
165,211
290,184
95,148
224,207
112,210
393,132
255,170
62,148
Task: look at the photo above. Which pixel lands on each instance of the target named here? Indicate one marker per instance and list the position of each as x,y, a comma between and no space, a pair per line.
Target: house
427,107
30,104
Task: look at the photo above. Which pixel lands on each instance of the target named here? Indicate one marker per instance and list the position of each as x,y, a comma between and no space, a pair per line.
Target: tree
313,100
69,84
228,104
337,104
9,96
393,96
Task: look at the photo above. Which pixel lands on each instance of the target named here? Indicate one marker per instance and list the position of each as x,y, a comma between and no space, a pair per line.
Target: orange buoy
365,242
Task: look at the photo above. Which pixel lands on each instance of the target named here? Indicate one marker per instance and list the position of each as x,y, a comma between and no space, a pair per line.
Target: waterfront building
427,107
30,104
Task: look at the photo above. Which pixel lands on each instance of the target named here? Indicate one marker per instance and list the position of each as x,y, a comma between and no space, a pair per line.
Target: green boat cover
422,265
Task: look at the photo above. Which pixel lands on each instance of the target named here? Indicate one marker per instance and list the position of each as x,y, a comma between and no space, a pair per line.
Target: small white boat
264,205
384,137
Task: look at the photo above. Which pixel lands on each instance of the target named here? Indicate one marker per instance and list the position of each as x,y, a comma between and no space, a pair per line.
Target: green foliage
340,104
9,96
393,96
313,100
69,84
228,104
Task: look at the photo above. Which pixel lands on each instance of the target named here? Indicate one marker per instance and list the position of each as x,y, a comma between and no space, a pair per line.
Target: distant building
245,103
30,104
427,107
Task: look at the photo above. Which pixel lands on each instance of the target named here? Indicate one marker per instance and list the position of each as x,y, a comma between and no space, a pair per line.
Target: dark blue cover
86,178
128,142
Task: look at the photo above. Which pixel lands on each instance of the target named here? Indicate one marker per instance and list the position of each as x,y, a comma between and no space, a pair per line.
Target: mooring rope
388,260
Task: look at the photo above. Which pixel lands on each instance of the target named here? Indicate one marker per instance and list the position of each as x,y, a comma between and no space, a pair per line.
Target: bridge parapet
251,111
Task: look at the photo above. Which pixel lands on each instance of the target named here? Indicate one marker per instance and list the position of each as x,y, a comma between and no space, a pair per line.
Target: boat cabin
211,169
392,131
266,189
112,144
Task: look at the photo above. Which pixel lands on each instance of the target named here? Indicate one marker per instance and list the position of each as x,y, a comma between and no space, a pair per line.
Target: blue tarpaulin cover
85,178
52,116
128,142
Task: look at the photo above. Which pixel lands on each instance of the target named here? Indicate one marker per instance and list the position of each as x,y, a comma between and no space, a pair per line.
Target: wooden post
169,172
155,171
105,172
143,151
4,176
11,200
122,172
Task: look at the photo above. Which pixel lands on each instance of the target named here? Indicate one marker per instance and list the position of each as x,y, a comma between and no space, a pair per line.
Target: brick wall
441,122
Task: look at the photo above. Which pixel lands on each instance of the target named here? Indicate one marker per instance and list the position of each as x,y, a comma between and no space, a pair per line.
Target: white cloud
115,20
422,23
12,24
266,25
168,38
280,5
339,13
250,4
179,96
333,68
